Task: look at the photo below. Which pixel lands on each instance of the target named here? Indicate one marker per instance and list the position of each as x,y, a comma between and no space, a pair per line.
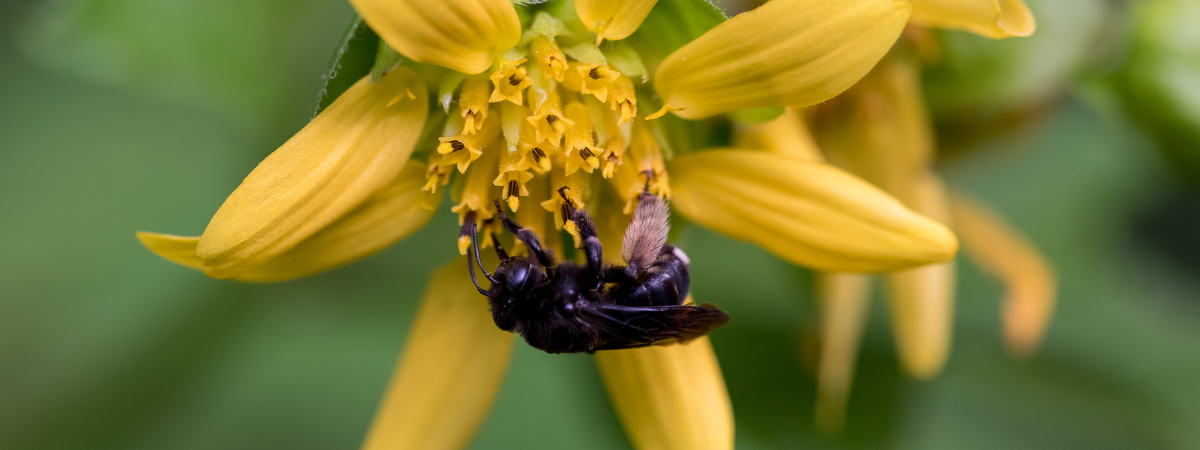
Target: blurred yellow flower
880,130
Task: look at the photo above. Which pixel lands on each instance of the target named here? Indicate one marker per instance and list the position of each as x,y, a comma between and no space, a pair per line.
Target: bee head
516,280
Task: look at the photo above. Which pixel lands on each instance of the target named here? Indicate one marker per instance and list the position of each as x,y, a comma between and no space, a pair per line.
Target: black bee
566,307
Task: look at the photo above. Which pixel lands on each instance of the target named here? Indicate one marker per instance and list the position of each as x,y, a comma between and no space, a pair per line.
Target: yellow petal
670,397
879,129
922,299
461,35
390,215
613,19
995,19
843,299
784,53
453,363
786,135
1030,284
177,249
810,214
352,149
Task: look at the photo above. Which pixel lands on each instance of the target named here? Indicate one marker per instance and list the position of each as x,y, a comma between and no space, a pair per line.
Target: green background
126,115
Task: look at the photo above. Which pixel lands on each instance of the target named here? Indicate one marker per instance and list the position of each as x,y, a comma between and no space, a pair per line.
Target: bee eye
517,278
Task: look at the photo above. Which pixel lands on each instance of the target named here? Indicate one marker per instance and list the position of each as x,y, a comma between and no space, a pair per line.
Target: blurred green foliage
126,115
1160,80
981,88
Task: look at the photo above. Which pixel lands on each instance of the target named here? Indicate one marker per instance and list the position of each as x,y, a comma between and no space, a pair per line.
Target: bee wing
620,326
647,233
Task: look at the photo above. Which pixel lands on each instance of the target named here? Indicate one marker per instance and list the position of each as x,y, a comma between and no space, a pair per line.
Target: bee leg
544,256
499,248
591,241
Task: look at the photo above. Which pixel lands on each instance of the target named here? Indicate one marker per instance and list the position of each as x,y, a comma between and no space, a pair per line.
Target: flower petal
995,19
1028,278
922,299
844,300
352,149
177,249
670,397
786,135
784,53
453,364
807,213
390,215
461,35
613,19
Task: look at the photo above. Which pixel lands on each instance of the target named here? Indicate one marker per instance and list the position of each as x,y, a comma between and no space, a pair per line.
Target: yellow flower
530,115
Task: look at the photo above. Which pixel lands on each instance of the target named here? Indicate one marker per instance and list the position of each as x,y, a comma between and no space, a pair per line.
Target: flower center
579,115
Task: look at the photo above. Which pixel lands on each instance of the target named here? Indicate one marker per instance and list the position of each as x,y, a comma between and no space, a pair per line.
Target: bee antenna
471,269
475,243
470,228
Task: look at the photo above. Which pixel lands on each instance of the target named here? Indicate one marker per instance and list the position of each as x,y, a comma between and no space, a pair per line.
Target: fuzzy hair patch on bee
647,234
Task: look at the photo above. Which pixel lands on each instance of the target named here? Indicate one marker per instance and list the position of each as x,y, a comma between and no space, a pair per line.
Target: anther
456,145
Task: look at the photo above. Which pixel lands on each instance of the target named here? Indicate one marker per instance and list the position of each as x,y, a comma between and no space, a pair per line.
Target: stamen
474,190
549,57
548,122
451,147
473,99
622,98
510,80
663,112
596,79
571,190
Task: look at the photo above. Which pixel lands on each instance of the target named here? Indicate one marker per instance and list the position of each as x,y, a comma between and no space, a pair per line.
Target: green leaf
352,60
983,87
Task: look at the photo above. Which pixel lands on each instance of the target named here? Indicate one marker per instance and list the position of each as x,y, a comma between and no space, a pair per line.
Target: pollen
567,192
474,190
510,81
456,151
548,121
580,151
512,187
549,57
596,80
621,98
436,175
473,100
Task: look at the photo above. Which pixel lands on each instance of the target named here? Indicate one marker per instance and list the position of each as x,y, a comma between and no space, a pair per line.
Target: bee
568,307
